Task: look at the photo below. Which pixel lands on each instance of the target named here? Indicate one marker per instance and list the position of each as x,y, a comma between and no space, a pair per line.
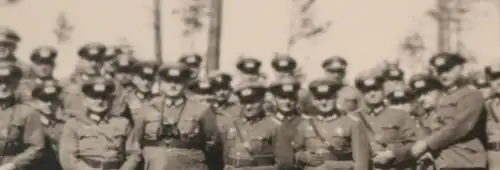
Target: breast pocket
390,133
340,139
88,138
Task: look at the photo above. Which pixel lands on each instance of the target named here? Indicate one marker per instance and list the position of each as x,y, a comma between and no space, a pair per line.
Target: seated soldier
44,62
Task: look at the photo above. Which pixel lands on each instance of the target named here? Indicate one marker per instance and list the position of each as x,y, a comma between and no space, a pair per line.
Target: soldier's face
171,88
335,75
222,94
485,91
495,85
450,77
123,78
347,105
43,70
374,97
285,104
142,84
324,105
6,90
429,100
90,66
97,105
6,49
252,109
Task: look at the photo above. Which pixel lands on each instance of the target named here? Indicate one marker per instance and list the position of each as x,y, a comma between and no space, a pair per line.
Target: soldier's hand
419,148
383,157
310,158
8,166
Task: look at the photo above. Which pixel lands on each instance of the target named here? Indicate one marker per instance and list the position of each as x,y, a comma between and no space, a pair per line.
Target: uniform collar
282,117
40,80
328,117
253,119
98,118
375,111
174,102
142,96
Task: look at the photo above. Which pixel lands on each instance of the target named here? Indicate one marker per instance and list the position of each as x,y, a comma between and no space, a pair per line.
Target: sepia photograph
249,85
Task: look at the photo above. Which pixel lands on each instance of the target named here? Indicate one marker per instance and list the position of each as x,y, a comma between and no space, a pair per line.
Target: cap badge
93,51
323,88
4,72
287,88
336,64
50,90
191,59
439,61
369,82
249,64
419,84
123,62
283,63
44,53
174,72
99,87
399,94
481,81
148,70
394,73
246,92
204,85
110,51
218,79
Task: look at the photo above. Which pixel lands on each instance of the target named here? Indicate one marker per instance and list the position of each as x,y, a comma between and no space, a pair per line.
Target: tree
63,29
157,32
214,37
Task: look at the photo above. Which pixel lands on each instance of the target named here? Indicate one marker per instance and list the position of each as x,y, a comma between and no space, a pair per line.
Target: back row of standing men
107,117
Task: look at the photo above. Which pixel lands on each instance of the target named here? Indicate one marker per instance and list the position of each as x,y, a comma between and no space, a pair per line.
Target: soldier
98,140
176,132
123,71
457,142
284,65
44,61
493,124
335,68
482,83
109,59
388,128
394,78
202,90
9,40
249,69
91,57
143,78
21,131
46,103
331,139
249,140
401,98
226,111
193,62
285,91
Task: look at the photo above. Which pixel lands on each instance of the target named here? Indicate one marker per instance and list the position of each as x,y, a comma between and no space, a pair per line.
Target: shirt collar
328,117
175,102
98,118
376,111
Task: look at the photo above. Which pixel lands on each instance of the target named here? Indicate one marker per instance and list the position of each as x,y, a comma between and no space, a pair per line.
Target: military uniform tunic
457,142
284,149
391,129
106,143
21,135
225,115
250,144
340,139
493,132
176,134
53,122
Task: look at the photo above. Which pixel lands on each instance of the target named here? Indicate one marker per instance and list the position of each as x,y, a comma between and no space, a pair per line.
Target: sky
365,32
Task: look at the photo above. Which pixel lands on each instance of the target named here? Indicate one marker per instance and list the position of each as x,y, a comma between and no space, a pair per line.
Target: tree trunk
214,37
157,31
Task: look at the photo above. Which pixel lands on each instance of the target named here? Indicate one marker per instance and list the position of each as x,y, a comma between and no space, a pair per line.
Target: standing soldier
249,69
202,90
123,72
193,62
284,65
143,78
176,132
400,98
493,122
226,112
336,68
249,140
46,103
44,62
457,142
285,92
330,139
388,128
98,140
9,40
21,131
394,77
109,59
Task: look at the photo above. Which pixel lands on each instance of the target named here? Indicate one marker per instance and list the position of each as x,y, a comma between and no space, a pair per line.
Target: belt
344,156
262,161
493,146
173,143
102,164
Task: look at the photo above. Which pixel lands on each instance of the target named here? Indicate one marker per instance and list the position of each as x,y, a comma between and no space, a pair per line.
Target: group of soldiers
108,115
